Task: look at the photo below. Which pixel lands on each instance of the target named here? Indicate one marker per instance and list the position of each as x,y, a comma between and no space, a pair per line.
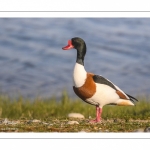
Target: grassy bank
54,111
52,107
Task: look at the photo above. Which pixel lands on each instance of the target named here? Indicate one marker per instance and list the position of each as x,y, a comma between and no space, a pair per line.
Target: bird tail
132,99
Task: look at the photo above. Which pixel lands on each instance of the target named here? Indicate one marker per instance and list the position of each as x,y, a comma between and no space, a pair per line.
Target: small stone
73,122
106,130
76,115
82,131
115,120
15,122
51,124
147,129
95,128
6,121
45,123
36,121
139,130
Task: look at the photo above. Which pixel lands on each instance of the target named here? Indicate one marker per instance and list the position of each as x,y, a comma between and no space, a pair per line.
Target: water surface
32,62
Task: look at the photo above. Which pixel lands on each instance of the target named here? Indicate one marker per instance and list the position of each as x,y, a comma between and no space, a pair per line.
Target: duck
95,89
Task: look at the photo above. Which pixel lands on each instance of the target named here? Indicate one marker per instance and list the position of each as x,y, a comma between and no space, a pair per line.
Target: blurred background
32,62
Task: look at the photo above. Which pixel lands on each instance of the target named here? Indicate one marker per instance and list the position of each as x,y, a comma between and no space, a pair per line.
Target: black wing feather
102,80
131,98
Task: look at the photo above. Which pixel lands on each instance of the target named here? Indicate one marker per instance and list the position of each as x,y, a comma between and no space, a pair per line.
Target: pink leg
98,115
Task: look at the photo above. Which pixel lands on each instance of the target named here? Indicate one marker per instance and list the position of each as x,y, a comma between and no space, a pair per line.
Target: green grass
53,112
59,108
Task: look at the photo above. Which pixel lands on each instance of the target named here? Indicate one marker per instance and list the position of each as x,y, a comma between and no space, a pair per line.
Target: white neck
79,75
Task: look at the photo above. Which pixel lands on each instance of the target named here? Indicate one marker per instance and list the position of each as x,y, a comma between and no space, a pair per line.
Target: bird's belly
104,95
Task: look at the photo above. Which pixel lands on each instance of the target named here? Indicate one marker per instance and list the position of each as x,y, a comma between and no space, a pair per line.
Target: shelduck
95,89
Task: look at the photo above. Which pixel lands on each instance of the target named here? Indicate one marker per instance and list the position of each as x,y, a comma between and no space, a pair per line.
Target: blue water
32,62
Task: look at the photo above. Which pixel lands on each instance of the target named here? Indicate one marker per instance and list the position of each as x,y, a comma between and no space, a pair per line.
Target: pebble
106,130
6,121
51,124
147,129
45,123
76,115
82,131
34,121
73,122
15,122
139,130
